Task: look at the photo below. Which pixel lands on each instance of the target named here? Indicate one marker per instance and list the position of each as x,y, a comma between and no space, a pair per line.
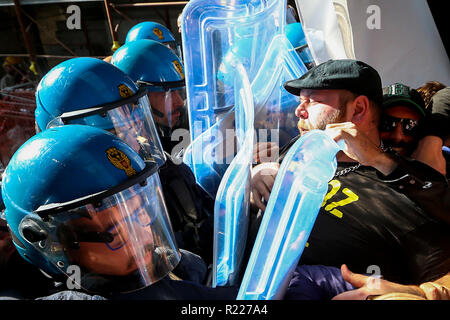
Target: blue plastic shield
272,110
299,189
232,201
216,35
224,43
274,106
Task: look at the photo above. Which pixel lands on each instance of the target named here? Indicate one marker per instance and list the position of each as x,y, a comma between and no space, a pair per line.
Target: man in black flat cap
363,222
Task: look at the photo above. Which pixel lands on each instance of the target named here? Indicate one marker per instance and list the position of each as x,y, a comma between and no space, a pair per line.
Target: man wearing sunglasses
404,120
415,135
412,130
400,123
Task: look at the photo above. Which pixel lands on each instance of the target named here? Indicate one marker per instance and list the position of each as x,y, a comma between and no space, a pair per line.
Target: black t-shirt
369,226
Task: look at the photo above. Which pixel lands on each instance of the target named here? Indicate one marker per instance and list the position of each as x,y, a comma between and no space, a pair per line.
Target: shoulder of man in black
427,187
363,222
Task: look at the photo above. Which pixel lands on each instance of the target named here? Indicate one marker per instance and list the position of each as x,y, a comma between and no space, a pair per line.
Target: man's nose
301,112
177,100
397,134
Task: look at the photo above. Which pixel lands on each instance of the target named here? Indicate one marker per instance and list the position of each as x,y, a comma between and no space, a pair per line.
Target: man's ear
361,107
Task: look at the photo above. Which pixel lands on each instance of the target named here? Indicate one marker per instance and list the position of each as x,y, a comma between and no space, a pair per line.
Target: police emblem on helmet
120,161
158,33
125,91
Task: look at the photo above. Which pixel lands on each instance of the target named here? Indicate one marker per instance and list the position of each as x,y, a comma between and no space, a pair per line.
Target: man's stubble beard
337,116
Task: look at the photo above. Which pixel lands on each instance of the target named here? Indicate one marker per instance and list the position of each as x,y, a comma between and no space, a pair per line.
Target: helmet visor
172,45
122,244
131,121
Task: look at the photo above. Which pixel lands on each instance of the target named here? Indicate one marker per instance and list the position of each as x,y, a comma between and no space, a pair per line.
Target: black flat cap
346,74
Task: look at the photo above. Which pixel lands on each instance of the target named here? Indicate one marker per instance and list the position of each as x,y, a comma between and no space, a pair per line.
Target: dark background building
50,39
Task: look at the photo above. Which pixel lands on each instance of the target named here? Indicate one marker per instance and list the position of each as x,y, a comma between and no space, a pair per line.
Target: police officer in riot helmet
151,30
156,68
82,205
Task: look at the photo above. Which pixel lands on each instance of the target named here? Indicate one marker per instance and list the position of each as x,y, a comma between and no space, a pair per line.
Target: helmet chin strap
157,113
164,129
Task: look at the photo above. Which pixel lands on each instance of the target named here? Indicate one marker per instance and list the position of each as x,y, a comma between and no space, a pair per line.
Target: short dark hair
350,96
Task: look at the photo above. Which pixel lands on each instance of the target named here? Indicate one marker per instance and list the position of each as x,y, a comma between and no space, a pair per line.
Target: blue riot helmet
93,92
296,35
81,202
151,30
158,70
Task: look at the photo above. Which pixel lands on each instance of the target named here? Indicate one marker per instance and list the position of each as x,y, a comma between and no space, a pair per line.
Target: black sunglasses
409,126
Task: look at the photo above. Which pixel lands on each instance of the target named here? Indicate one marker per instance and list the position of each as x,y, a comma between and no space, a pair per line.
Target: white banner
398,38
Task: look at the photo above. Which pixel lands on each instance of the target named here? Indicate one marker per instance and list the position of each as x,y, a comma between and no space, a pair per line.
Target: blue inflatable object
299,189
217,36
232,201
446,149
2,205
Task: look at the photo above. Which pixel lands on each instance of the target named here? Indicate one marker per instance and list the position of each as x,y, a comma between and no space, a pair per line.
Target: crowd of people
95,207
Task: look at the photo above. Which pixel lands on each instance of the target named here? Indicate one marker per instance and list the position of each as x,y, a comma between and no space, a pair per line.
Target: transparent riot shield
216,34
231,208
271,124
299,189
275,119
218,37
